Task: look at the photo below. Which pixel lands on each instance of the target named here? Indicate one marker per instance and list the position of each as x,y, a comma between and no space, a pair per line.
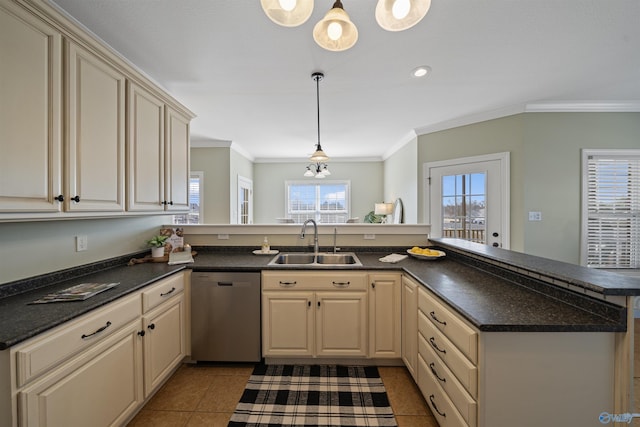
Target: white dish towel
393,258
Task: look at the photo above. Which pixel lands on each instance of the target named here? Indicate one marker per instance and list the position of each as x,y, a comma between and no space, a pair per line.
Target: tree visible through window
611,208
326,202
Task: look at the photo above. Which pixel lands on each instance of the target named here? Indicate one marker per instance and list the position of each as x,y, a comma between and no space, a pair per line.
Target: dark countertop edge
55,279
602,282
88,305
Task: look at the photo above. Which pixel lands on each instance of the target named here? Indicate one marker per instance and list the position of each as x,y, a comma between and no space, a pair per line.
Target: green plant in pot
157,245
372,218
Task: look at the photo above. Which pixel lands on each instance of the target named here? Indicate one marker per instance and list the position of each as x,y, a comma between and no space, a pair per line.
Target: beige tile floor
207,396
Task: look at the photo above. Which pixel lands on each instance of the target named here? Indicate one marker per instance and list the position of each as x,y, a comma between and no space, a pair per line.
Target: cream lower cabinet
503,379
97,369
410,325
314,314
385,306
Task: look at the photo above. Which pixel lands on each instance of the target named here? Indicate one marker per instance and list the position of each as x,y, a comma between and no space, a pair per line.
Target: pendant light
335,31
398,15
318,168
288,13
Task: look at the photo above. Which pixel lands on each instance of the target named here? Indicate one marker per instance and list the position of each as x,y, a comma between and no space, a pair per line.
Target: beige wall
401,179
545,168
33,248
215,163
269,188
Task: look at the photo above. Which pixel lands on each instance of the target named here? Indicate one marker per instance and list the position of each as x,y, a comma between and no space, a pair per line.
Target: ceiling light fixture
336,32
420,71
318,168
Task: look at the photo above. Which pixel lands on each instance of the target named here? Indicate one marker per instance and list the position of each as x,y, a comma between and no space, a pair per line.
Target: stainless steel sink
339,259
293,258
320,260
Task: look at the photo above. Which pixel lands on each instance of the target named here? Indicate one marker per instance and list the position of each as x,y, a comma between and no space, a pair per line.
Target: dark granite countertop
20,320
491,300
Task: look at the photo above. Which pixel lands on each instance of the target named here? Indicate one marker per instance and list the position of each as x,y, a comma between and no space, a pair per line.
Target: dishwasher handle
225,283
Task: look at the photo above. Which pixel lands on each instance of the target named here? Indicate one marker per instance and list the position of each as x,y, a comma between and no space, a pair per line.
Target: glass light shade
325,170
308,173
319,156
333,38
385,13
290,13
383,208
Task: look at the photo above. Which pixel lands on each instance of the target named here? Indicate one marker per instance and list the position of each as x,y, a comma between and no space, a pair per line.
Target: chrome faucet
315,234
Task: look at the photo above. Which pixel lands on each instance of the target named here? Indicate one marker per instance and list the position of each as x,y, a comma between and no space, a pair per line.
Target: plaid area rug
318,395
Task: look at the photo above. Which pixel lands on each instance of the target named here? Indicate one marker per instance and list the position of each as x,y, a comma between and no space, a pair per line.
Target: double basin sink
318,260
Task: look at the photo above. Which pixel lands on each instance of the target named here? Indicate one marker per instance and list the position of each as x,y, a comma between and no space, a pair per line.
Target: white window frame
632,259
199,175
318,213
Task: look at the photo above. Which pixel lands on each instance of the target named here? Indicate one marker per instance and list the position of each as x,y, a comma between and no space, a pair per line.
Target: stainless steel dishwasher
225,317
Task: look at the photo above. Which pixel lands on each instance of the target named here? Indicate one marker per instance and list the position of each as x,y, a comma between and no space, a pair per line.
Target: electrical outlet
223,237
535,216
82,243
369,237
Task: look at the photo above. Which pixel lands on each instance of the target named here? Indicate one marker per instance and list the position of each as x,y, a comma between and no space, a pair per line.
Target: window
195,206
611,208
327,202
463,206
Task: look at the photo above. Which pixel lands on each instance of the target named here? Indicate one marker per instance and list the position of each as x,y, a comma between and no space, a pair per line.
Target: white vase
157,252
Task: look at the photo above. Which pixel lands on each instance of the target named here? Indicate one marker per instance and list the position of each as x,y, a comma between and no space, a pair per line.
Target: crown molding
584,106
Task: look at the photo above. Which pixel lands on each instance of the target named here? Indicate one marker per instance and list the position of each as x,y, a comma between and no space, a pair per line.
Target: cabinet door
30,120
177,161
385,329
287,323
341,323
95,151
101,387
164,342
145,163
410,326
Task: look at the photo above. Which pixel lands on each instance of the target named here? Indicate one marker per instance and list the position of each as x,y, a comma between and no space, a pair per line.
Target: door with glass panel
468,199
245,200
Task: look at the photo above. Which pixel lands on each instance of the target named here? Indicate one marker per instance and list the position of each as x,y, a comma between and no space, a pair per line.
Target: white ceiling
249,80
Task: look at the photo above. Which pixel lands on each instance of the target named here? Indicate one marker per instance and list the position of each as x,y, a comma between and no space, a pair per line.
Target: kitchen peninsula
534,325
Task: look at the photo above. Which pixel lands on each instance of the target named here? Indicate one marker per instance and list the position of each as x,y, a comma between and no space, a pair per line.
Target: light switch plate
223,237
369,237
82,243
535,216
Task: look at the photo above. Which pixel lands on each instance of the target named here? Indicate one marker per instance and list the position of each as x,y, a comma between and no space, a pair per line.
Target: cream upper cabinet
30,113
145,165
158,150
95,133
385,329
177,160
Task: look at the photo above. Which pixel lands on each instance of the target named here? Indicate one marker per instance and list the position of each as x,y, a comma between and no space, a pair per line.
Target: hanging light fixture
336,32
399,15
318,168
288,13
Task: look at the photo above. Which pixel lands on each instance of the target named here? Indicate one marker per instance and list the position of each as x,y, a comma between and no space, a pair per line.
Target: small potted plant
157,245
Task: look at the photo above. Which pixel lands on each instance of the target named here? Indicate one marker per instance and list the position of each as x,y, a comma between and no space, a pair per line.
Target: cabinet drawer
464,402
159,292
443,409
316,280
465,371
68,339
458,332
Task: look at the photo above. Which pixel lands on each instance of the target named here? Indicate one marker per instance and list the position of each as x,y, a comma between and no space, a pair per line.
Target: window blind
613,211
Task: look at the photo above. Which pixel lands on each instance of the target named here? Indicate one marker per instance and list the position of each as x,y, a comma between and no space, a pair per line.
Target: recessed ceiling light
421,71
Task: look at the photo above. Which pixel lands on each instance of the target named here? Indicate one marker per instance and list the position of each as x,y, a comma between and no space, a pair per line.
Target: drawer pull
287,284
341,284
442,414
433,370
168,293
434,345
433,316
97,331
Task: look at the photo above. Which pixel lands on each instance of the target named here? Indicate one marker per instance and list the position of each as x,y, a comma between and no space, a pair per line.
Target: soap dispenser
265,245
